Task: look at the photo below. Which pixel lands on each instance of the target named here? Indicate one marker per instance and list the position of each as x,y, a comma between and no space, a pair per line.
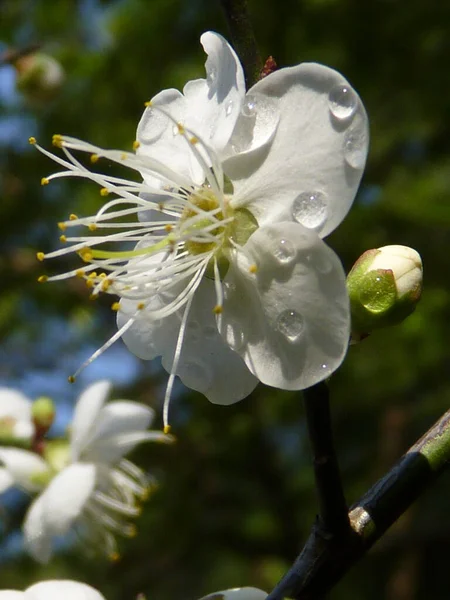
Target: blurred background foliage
236,497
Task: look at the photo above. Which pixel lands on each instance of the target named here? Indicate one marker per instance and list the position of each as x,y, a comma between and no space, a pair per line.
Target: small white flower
15,414
97,492
230,281
54,590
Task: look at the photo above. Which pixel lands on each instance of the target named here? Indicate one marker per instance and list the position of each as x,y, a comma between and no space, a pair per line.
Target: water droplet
285,251
324,366
228,108
210,331
290,324
342,101
310,209
249,106
356,143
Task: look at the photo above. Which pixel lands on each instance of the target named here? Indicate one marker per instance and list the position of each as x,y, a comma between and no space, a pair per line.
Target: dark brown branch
323,562
243,38
333,517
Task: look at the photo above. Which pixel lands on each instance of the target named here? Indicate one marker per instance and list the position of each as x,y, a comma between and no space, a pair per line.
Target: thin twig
243,38
323,562
333,508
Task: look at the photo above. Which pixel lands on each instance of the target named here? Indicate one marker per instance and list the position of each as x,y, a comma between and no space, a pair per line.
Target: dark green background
236,498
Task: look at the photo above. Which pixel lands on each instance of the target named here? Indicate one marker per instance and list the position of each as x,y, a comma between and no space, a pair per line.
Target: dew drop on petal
285,251
310,209
235,337
356,143
249,106
228,108
290,324
342,101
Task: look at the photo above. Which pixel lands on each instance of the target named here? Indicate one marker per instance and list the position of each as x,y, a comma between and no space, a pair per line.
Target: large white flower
54,590
230,281
244,593
96,491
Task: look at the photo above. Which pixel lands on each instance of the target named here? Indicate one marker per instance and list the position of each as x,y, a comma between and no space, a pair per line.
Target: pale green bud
39,77
43,412
384,286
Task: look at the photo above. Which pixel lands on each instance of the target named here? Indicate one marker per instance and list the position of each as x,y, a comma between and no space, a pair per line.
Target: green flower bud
384,286
39,77
43,412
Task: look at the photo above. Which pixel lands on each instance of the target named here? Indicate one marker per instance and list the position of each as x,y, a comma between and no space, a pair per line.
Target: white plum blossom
74,590
96,491
54,590
19,467
227,277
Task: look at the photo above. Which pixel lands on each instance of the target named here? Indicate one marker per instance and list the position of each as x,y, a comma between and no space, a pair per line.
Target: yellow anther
115,306
114,556
94,158
40,256
123,156
194,140
160,206
32,140
140,306
105,285
167,428
79,273
92,275
132,531
44,181
42,278
86,254
71,379
180,128
136,144
104,192
92,226
62,226
57,140
63,239
253,268
73,217
218,309
148,103
89,283
102,276
168,228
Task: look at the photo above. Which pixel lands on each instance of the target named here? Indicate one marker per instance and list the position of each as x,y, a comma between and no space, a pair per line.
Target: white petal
56,509
206,364
6,480
117,419
209,108
214,104
66,496
294,312
37,536
86,414
62,590
23,466
311,170
11,595
244,593
14,404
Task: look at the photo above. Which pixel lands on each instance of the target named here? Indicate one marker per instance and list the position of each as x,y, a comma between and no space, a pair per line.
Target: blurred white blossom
227,277
54,590
88,485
